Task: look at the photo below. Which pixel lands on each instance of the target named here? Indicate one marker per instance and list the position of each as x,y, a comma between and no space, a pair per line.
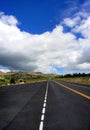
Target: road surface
52,105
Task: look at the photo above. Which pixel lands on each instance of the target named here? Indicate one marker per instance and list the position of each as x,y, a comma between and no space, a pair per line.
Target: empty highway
52,105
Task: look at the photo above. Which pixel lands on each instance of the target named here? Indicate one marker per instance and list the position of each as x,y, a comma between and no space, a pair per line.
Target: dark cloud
17,61
85,56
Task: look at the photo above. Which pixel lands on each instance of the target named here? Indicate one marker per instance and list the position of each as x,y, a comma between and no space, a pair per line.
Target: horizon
45,36
46,73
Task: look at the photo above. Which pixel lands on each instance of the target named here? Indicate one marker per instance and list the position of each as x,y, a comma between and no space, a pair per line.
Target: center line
73,90
43,109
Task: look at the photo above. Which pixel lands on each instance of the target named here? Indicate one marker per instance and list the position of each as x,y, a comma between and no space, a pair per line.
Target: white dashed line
45,101
45,98
44,105
41,125
43,109
42,117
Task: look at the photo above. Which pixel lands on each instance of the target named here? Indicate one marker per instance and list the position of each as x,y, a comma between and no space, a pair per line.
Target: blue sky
38,16
50,36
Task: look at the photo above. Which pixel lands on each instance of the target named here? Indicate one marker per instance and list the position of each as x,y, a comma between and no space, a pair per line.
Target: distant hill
2,73
24,77
28,75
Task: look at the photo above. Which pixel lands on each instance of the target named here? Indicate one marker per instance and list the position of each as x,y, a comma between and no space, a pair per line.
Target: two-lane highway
52,105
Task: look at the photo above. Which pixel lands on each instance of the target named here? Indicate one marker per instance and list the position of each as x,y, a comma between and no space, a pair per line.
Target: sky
48,36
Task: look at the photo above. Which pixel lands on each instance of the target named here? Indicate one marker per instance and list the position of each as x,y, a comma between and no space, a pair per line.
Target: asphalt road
66,110
45,106
21,105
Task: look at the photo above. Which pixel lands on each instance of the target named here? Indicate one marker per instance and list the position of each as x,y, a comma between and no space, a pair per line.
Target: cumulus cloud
85,56
71,22
45,52
9,20
83,28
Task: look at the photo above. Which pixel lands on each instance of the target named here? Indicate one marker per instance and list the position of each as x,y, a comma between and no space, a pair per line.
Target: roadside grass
21,78
4,82
36,80
32,80
80,80
7,82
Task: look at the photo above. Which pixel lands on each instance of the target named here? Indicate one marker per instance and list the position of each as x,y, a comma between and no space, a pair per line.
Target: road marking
45,101
44,105
45,98
73,90
79,85
42,117
43,109
41,125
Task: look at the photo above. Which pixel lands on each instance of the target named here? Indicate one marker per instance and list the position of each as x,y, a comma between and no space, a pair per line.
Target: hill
2,73
24,77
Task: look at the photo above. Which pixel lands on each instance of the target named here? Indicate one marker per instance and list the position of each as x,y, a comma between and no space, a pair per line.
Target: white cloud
8,19
20,50
71,22
83,28
84,66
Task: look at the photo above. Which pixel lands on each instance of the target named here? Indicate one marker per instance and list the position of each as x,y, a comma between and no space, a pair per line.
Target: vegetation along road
52,105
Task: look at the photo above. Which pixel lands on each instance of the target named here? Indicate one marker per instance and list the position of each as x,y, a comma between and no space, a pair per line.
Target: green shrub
12,80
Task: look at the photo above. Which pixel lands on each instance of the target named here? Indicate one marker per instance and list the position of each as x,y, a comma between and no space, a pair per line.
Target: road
52,105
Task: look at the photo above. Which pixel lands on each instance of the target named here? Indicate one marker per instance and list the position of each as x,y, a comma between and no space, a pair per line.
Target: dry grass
81,80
